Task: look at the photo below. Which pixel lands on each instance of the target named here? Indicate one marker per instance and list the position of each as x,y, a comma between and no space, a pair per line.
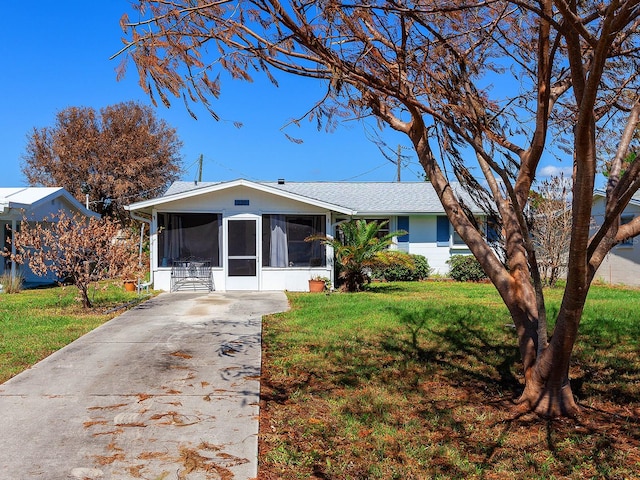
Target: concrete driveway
168,390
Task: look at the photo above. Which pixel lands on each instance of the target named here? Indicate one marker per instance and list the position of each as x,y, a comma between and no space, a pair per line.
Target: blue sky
56,55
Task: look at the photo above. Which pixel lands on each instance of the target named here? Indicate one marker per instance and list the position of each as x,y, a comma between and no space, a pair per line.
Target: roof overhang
635,200
147,205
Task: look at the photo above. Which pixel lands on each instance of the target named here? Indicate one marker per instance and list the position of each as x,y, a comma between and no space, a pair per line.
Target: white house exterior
622,263
253,232
35,204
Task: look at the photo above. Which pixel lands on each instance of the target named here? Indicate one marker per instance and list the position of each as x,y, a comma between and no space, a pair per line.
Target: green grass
417,380
35,323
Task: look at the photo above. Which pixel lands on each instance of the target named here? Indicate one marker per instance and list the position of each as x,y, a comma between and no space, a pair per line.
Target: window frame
453,239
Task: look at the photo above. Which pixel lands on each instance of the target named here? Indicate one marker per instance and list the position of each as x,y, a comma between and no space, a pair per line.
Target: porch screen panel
185,236
283,241
278,247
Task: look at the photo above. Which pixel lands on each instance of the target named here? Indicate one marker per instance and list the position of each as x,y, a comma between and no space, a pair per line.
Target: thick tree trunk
547,398
547,389
547,385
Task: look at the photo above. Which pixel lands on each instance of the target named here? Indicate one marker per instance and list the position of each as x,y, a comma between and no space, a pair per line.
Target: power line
222,165
362,174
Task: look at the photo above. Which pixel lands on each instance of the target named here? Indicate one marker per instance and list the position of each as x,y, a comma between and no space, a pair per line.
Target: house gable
180,197
345,198
242,199
38,202
35,204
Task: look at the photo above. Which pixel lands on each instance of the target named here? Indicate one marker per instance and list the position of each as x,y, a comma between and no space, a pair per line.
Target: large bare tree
117,156
483,90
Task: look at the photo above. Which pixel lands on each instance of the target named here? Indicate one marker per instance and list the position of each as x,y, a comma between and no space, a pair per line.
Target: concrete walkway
168,390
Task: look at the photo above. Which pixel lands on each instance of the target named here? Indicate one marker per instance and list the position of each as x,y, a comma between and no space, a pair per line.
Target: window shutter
443,230
493,230
403,224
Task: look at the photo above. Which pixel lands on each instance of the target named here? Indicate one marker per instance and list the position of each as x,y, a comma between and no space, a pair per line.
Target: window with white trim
446,234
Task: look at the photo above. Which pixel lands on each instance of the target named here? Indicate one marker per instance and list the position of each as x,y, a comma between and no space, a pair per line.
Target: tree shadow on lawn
599,365
383,287
464,350
440,384
474,357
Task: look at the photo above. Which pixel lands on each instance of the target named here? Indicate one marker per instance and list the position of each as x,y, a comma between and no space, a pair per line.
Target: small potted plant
318,283
131,276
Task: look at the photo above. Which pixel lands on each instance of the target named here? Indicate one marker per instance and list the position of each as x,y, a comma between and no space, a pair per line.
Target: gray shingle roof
181,187
635,199
363,197
370,197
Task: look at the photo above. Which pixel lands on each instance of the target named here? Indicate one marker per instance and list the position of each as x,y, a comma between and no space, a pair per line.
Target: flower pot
130,285
316,286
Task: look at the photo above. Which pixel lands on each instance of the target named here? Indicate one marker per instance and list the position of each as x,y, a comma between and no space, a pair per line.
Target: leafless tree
551,227
482,89
77,249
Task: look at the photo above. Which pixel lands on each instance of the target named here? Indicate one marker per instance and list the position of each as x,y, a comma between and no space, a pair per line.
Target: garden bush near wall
465,268
402,273
11,285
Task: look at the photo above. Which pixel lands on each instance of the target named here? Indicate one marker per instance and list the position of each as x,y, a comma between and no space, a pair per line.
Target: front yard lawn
418,380
35,323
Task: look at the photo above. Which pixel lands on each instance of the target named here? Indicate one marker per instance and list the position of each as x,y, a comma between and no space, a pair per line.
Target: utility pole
200,168
399,162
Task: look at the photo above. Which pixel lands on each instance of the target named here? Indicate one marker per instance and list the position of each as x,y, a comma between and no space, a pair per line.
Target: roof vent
281,181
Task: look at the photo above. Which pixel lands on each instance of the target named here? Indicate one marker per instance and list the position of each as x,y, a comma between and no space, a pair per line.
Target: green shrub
465,268
402,273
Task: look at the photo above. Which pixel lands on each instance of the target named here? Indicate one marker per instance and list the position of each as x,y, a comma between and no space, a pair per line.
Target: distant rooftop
25,195
30,197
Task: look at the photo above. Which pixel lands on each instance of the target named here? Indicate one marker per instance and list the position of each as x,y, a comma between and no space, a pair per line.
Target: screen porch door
242,254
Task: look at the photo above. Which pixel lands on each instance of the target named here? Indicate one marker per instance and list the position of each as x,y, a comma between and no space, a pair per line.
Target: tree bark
547,398
547,390
84,295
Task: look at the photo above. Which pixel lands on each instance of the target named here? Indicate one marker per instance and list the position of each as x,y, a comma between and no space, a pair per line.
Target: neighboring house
35,204
253,233
622,263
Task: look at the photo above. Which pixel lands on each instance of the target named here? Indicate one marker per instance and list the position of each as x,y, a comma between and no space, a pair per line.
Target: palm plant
361,249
